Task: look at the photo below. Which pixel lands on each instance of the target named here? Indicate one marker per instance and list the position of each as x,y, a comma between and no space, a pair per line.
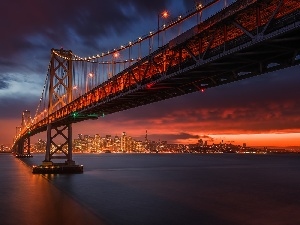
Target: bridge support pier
65,148
26,145
23,148
58,151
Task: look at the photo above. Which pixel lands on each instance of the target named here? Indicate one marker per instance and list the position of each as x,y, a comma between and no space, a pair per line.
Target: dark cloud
206,138
4,62
53,20
173,138
3,83
12,107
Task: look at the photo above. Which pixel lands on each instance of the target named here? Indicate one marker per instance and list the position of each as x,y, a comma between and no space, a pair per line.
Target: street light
75,92
113,63
89,75
165,14
116,55
199,6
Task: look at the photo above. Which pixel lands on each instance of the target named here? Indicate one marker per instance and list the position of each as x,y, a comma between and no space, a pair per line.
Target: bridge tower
26,121
15,148
60,94
22,149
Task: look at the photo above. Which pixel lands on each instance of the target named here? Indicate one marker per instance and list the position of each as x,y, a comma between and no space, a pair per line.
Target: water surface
129,189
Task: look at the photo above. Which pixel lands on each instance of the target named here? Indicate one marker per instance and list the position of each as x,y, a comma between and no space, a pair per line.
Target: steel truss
65,132
60,94
23,147
26,145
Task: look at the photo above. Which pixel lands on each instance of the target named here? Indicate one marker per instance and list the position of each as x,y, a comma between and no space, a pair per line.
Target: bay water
144,189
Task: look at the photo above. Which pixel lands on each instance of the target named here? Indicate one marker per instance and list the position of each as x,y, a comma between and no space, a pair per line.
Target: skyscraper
124,142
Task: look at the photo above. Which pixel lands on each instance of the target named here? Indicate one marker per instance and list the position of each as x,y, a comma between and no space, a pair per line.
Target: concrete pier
57,168
23,156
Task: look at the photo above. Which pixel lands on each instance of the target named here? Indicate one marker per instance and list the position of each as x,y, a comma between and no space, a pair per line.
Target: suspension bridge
245,39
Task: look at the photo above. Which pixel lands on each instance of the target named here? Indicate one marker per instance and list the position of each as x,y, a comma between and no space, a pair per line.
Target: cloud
173,137
206,138
89,20
13,107
3,83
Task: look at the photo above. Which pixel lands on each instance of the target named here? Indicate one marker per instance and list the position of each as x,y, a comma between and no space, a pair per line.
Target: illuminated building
123,142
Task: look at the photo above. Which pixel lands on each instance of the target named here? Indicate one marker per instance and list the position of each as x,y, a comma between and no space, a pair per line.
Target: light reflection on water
172,189
30,199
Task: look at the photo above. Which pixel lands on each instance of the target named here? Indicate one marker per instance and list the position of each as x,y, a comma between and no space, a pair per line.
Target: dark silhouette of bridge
245,39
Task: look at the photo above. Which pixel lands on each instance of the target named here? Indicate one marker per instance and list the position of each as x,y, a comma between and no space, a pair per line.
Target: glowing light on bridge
150,85
116,54
88,78
198,6
165,14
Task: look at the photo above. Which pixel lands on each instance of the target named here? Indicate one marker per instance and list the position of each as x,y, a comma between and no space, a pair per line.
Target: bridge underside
230,66
202,61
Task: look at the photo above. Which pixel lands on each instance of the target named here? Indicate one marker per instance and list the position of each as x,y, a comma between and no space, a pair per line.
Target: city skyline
262,111
210,140
125,143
